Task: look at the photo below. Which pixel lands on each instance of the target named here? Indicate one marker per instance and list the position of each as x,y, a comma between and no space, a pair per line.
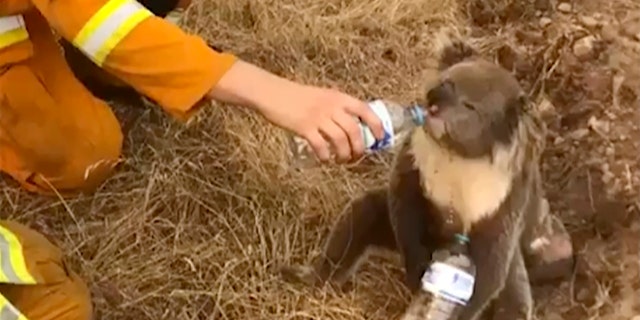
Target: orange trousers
60,293
54,135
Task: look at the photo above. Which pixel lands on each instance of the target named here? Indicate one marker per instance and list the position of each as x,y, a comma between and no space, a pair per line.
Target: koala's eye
469,106
442,94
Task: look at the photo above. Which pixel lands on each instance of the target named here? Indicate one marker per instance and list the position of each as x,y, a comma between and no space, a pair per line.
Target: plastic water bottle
396,119
175,16
447,285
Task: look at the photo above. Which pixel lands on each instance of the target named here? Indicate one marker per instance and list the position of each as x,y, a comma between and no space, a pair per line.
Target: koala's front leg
515,301
409,233
409,216
492,246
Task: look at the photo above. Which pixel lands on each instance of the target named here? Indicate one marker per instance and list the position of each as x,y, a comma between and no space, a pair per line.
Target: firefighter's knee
59,293
55,138
90,163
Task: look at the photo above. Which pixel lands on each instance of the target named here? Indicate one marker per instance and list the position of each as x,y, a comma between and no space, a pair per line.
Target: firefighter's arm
155,57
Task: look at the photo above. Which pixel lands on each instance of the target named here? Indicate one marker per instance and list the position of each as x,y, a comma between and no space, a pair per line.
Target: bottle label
449,282
370,142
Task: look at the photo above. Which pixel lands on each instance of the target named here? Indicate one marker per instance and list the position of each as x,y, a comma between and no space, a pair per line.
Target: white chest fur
474,188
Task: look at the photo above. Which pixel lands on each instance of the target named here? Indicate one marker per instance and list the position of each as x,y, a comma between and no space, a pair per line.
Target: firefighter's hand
322,116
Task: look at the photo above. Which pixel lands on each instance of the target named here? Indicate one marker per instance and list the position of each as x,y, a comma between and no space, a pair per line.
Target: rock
546,108
583,294
558,141
578,134
564,7
583,48
588,21
544,21
610,151
607,177
600,126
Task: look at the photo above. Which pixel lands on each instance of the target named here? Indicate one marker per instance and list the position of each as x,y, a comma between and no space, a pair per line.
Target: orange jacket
144,51
33,259
53,132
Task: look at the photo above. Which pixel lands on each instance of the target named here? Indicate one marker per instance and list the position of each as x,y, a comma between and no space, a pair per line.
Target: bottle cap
461,237
417,114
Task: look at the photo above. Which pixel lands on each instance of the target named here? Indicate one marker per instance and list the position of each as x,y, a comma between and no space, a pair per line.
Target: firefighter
55,135
35,282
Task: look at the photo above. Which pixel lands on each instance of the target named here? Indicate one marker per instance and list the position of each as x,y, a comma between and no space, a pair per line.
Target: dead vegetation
195,222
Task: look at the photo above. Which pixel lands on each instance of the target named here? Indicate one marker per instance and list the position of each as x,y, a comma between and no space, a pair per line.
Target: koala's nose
433,109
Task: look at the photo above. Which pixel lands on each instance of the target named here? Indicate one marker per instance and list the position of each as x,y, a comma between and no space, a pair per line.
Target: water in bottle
447,285
396,119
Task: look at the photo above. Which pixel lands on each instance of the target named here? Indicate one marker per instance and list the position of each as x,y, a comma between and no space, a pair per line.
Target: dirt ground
195,223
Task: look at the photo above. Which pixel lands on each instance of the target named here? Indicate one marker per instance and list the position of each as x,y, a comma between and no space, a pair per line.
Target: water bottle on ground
447,285
396,119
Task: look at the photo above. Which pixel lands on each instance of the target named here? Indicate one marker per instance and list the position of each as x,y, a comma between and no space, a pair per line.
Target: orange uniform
54,135
35,283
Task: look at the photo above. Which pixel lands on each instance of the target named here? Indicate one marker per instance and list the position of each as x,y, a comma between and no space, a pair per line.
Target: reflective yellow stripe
108,26
12,30
13,268
8,311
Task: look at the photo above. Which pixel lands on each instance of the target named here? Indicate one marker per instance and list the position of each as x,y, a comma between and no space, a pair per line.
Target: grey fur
410,217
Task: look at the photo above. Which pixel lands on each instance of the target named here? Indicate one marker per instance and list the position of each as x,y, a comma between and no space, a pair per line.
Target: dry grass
195,223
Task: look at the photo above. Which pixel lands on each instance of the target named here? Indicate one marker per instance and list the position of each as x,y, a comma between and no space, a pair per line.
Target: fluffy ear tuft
455,52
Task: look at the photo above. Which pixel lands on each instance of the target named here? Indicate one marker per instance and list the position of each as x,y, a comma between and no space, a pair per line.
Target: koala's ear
525,102
521,103
455,52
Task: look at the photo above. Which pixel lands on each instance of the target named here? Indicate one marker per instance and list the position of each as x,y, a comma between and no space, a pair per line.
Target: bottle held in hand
396,119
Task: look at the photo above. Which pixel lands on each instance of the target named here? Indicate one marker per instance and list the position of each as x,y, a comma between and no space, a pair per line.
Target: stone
583,48
589,22
545,21
546,108
579,134
564,7
602,127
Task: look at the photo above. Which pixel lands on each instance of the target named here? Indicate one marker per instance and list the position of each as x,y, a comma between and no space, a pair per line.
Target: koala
472,168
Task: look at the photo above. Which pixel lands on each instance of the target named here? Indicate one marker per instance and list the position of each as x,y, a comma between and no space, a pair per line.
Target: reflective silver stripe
10,23
104,32
9,312
5,261
108,26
